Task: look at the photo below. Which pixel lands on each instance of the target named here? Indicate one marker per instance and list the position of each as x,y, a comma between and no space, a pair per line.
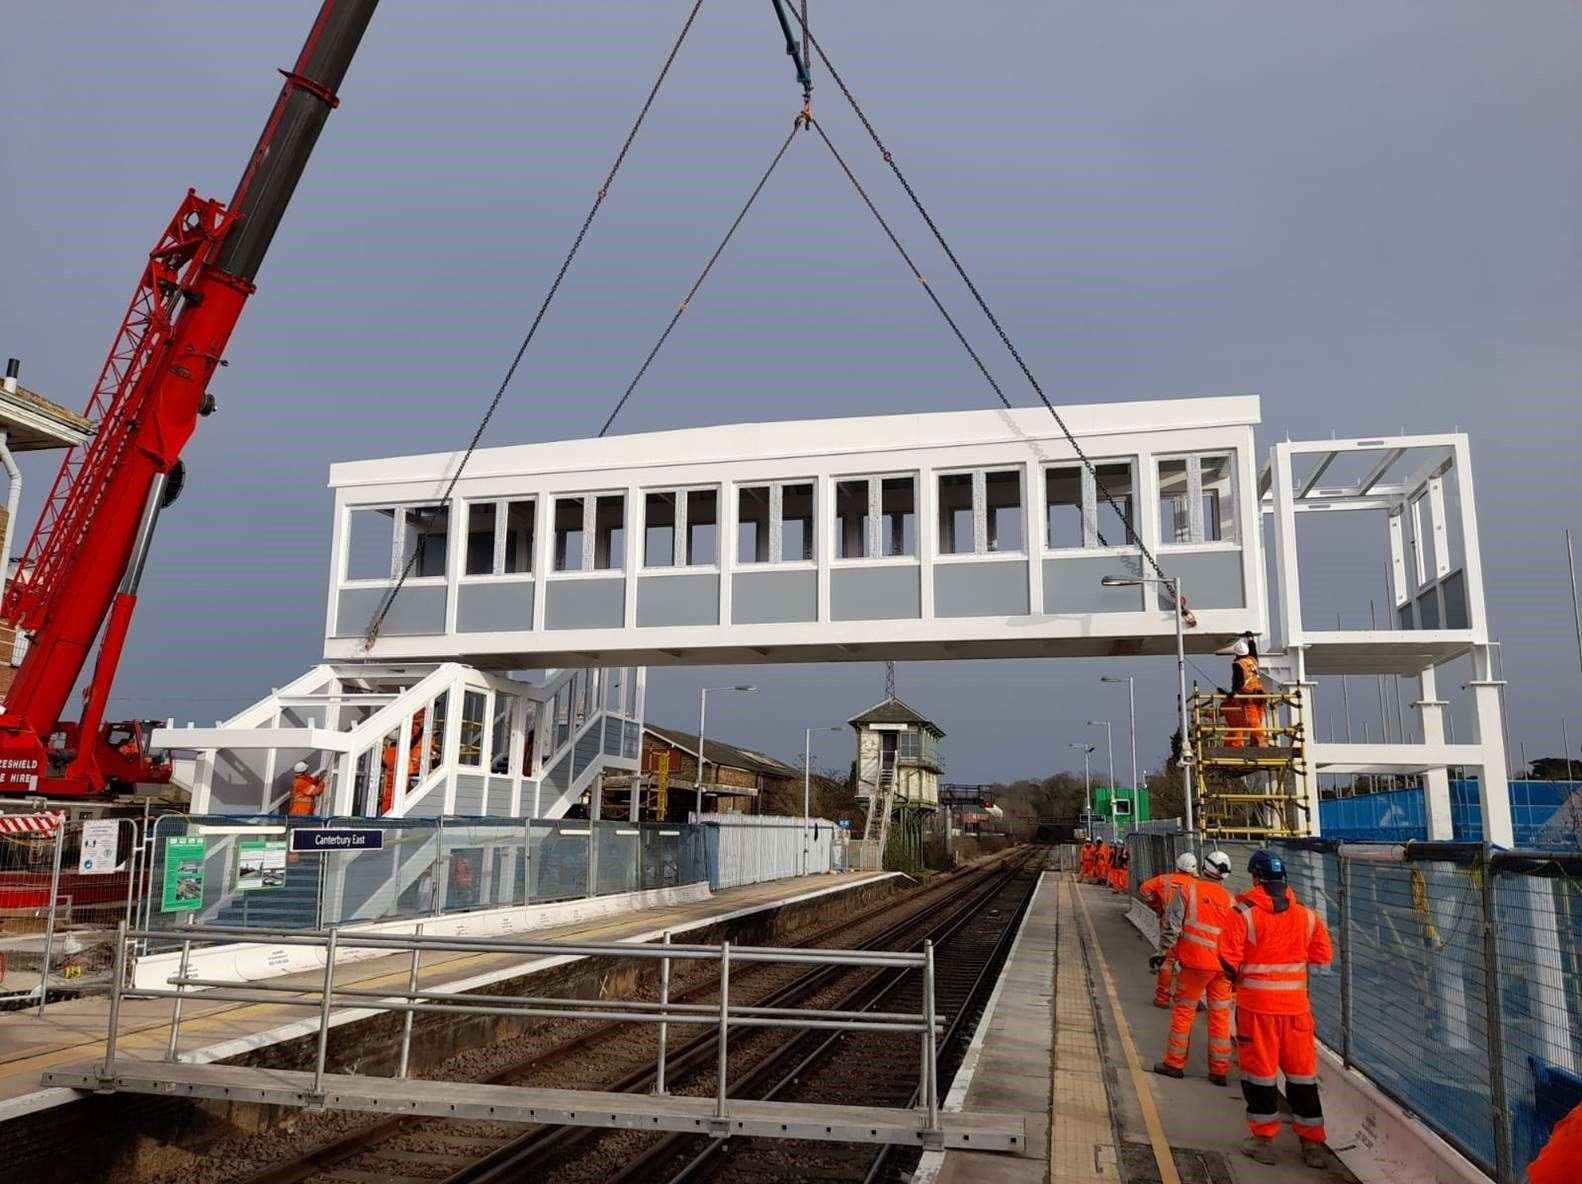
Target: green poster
183,874
261,863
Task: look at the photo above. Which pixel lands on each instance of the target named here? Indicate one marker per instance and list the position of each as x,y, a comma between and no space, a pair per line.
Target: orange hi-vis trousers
1266,1046
1166,979
1191,985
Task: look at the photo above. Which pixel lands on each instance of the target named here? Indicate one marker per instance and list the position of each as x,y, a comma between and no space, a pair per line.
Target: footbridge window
774,523
500,538
875,517
382,541
1087,508
473,706
681,528
980,512
1197,499
590,532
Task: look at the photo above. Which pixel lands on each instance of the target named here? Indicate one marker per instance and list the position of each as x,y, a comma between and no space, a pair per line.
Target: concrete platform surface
1051,1046
73,1032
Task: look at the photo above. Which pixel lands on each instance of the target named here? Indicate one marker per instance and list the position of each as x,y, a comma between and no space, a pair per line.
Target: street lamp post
1131,711
807,784
703,715
1087,780
1174,584
1110,748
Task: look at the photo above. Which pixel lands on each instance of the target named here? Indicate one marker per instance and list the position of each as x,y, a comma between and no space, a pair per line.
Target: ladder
880,806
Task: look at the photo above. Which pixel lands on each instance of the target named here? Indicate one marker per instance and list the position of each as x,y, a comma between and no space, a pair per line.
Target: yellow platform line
1145,1098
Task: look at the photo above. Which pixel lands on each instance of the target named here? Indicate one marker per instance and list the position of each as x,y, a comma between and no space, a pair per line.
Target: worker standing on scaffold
1242,707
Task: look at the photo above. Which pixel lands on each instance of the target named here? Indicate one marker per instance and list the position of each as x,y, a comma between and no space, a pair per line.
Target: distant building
735,780
897,744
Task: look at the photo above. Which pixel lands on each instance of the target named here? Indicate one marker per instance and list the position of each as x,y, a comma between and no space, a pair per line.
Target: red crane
78,577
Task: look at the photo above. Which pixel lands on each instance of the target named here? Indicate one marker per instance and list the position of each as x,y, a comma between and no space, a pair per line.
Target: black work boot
1165,1070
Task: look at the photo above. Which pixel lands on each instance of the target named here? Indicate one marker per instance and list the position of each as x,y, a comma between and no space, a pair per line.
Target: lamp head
1120,582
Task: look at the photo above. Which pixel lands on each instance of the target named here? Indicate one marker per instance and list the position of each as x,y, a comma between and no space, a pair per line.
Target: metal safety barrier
414,1000
1456,986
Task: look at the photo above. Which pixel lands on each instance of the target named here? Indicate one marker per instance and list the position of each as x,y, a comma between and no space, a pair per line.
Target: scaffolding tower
1247,781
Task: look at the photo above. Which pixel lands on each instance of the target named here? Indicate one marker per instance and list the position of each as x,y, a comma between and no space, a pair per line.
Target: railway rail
622,1058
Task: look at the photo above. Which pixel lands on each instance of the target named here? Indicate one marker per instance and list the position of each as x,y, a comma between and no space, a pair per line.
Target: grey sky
1364,213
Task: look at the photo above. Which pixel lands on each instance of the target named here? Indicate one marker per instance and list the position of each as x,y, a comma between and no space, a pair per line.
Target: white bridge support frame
1437,611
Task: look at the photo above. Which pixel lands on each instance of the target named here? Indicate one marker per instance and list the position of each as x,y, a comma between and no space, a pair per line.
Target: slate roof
893,711
717,752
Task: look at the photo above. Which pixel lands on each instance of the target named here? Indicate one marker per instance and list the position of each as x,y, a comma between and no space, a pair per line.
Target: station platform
73,1032
1069,1039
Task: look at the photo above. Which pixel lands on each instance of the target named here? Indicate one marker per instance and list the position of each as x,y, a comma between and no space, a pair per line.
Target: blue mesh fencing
1545,815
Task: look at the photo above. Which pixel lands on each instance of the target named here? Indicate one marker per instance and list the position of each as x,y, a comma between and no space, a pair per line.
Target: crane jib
94,525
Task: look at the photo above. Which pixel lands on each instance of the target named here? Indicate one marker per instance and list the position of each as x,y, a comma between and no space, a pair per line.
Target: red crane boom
78,576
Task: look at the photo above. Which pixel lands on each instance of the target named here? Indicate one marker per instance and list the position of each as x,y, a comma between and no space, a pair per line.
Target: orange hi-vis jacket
1269,943
1158,891
1194,921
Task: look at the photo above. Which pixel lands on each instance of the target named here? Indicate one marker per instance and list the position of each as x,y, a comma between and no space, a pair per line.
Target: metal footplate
505,1103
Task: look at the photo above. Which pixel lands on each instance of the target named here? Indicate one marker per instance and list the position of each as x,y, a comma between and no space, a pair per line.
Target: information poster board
261,864
183,891
99,841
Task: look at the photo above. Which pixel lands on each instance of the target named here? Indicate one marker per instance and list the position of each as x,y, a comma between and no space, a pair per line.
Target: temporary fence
753,848
242,872
1455,986
64,886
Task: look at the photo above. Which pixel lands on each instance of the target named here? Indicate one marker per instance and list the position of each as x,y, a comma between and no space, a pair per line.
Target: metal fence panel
213,869
64,886
1538,923
1419,995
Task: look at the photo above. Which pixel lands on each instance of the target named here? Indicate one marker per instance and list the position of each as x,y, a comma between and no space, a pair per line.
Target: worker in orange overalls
1157,894
1085,861
1194,918
1560,1162
1101,870
1267,943
305,791
1244,715
1120,878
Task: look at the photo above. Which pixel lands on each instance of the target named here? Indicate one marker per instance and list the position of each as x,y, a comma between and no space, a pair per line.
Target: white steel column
1493,787
1436,781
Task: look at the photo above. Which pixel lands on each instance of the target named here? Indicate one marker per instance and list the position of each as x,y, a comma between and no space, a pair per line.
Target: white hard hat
300,767
1216,864
1187,862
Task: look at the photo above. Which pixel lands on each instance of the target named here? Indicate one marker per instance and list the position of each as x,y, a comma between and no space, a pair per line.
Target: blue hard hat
1265,865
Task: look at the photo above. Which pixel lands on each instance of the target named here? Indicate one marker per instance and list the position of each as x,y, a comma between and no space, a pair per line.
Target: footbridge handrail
414,1000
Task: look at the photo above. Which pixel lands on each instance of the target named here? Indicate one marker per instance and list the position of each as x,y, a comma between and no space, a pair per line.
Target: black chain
889,158
374,625
686,301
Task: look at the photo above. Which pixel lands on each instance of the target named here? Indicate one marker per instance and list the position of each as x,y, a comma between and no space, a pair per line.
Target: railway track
621,1058
856,1068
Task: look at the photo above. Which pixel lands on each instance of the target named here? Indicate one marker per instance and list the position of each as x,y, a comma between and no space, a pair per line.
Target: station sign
337,839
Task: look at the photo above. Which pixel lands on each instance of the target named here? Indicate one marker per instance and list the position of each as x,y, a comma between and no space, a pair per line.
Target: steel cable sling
374,625
983,305
686,300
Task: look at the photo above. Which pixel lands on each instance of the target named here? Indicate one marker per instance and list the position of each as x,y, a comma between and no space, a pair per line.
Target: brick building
735,780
